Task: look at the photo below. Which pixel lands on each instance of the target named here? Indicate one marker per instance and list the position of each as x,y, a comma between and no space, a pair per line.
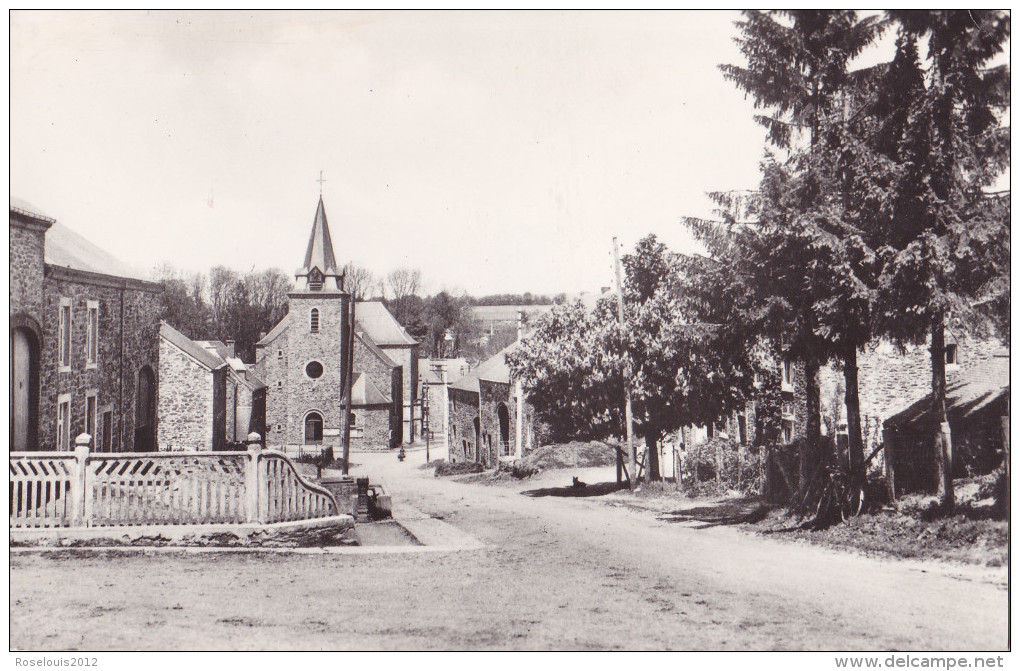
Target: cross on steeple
320,181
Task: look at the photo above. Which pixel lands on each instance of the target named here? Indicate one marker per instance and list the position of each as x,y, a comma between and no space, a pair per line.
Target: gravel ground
556,572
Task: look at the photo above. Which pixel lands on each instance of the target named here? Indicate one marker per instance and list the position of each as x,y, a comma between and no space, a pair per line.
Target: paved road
554,573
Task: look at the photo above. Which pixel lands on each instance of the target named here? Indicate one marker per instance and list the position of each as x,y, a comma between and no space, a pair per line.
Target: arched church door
24,390
145,411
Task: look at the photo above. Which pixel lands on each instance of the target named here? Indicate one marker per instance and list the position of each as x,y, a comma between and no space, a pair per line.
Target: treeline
873,220
224,304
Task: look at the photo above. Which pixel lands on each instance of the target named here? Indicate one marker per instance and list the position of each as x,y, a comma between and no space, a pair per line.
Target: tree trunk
943,438
813,436
855,447
652,456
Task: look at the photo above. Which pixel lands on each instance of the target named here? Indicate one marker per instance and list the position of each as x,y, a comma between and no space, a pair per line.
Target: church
302,361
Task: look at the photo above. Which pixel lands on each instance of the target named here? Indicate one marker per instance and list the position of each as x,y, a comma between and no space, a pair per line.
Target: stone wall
27,245
374,422
463,411
405,356
128,341
271,363
186,401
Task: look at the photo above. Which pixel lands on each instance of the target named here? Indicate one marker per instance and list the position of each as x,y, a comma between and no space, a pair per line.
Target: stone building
84,341
301,360
483,415
207,397
889,379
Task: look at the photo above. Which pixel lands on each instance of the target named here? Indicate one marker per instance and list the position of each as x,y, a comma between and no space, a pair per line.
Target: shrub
717,464
457,468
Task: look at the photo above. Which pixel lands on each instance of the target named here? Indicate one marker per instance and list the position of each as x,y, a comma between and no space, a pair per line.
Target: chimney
230,348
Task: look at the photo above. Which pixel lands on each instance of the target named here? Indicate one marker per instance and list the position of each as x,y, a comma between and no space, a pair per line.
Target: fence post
80,511
251,478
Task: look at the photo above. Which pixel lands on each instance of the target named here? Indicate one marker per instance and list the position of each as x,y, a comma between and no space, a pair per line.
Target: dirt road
555,573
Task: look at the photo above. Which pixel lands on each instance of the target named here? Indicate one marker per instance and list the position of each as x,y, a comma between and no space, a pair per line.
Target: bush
739,471
444,467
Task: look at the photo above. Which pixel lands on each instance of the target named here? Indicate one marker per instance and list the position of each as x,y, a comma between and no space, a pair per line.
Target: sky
497,152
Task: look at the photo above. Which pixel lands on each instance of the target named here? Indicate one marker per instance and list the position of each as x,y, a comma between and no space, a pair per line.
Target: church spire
320,270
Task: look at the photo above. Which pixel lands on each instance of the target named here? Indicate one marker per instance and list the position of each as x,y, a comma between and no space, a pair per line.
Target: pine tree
945,242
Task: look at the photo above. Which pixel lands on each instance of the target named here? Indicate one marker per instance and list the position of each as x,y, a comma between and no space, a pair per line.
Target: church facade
302,360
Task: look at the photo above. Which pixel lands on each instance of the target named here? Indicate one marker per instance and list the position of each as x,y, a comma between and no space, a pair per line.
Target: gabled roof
67,249
364,392
968,392
320,246
275,333
383,357
493,369
204,357
29,210
382,327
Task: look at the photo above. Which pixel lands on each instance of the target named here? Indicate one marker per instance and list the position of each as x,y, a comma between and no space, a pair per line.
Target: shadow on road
723,514
597,489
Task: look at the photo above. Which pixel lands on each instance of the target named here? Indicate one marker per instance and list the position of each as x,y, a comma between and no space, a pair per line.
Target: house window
279,355
314,321
106,441
64,422
64,336
313,428
92,336
951,355
91,410
787,374
313,370
787,431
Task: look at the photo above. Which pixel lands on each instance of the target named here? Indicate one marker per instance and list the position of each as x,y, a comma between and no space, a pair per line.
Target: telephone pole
631,448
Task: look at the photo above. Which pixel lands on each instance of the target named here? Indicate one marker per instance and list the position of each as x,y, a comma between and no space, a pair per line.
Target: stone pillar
81,509
252,512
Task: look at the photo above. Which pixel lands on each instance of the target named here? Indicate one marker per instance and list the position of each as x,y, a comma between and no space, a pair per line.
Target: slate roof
275,332
320,246
493,369
182,342
364,392
366,340
67,249
968,392
27,208
382,327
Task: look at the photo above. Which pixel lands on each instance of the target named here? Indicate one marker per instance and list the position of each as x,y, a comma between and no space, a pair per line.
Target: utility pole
519,423
348,379
632,476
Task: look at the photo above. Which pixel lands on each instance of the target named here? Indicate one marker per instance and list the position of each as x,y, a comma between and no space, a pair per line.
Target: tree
798,69
683,373
360,282
944,248
403,282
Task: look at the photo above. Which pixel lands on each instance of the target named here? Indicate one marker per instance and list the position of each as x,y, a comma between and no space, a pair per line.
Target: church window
92,336
313,428
64,335
315,280
313,370
314,320
279,355
352,420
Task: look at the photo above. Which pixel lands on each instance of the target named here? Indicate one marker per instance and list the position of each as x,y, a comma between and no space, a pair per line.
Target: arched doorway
478,439
145,411
313,429
24,389
504,429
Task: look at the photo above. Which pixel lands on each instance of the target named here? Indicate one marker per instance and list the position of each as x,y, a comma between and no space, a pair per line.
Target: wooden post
251,480
519,422
889,438
81,511
347,375
1005,458
626,370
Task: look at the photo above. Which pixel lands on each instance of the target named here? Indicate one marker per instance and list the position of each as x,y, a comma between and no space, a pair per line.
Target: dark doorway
313,428
145,411
24,390
478,440
504,429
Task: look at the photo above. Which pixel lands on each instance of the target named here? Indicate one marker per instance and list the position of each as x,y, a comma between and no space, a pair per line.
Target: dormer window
313,322
315,280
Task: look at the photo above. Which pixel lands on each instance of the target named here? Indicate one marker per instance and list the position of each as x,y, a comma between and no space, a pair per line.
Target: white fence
62,489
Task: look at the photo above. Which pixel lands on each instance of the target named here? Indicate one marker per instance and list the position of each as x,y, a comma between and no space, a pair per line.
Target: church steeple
320,271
